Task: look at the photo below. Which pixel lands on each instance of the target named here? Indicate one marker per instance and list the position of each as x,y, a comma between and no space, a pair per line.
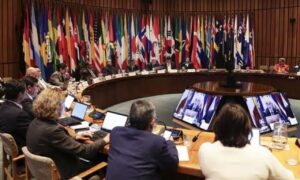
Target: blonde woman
47,138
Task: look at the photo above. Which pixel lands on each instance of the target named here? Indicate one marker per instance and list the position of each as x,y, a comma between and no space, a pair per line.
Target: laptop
77,115
112,120
68,101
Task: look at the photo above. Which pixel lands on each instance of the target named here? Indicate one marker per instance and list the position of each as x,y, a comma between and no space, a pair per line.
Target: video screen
79,111
113,120
256,117
285,108
197,108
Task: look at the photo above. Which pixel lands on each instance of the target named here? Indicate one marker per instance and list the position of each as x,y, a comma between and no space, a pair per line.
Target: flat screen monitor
271,110
68,101
112,120
197,108
79,111
258,120
285,108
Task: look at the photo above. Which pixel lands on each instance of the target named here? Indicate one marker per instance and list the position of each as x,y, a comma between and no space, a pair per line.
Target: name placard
119,75
107,77
144,73
191,70
132,74
162,71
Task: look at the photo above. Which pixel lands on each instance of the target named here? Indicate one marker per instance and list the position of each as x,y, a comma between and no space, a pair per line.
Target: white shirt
247,163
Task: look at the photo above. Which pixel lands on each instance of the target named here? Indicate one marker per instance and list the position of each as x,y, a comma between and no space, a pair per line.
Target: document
183,153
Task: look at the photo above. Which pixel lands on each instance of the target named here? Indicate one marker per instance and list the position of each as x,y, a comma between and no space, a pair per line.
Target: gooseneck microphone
195,138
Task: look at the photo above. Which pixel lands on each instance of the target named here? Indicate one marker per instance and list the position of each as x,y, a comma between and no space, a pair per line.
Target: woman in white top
232,157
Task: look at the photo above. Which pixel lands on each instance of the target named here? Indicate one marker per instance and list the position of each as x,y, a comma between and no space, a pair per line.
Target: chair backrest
9,145
264,68
39,166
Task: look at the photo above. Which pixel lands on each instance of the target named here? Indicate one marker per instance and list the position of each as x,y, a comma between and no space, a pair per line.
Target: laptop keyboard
68,121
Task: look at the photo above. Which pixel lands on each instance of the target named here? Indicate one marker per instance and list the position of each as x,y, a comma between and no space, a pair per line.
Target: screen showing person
257,120
285,108
193,107
270,110
187,94
204,117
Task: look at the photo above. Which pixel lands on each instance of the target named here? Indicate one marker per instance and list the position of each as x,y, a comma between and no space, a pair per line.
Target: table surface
245,89
193,167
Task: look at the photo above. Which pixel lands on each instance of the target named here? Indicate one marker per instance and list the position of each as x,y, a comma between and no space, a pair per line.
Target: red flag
195,45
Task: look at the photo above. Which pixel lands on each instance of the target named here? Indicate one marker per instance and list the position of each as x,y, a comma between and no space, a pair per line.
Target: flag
195,61
93,45
208,41
141,42
70,41
155,39
170,42
201,42
178,41
124,44
238,37
62,43
251,49
26,38
86,38
133,40
35,43
246,45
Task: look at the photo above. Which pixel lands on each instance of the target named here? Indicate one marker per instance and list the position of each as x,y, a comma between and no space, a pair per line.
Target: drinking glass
279,135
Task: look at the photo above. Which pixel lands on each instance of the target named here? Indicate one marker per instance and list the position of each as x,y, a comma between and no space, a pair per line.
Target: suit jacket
187,66
15,121
137,154
47,138
132,68
109,70
27,106
275,111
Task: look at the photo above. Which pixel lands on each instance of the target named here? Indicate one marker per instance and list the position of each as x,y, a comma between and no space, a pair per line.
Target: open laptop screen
79,111
112,120
68,101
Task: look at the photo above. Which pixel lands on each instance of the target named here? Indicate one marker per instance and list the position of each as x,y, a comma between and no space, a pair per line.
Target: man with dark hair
136,153
31,91
59,77
109,69
11,112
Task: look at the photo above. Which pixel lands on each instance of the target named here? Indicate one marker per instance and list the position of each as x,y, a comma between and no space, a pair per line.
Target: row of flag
54,35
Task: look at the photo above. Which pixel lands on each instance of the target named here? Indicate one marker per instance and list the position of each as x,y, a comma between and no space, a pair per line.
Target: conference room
149,89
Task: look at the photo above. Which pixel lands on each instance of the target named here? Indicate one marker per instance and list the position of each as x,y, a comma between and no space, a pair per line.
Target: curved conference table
109,92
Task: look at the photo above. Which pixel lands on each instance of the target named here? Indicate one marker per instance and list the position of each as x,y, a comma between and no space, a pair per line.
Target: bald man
36,73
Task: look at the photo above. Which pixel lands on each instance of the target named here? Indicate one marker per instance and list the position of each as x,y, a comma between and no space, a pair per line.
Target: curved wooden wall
276,23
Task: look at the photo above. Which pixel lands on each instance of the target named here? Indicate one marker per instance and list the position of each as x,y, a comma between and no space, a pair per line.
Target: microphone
195,138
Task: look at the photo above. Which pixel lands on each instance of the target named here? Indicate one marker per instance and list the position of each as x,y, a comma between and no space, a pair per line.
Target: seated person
60,76
281,67
169,64
231,156
84,72
132,67
187,65
297,67
152,65
109,69
31,91
36,73
47,138
135,152
13,119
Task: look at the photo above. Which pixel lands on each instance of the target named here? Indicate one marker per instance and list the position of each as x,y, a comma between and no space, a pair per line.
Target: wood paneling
275,34
10,17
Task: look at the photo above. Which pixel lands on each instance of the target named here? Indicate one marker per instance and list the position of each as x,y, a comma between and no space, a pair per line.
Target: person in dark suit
270,109
187,65
152,65
13,119
136,153
46,137
60,77
109,69
169,64
132,67
31,91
